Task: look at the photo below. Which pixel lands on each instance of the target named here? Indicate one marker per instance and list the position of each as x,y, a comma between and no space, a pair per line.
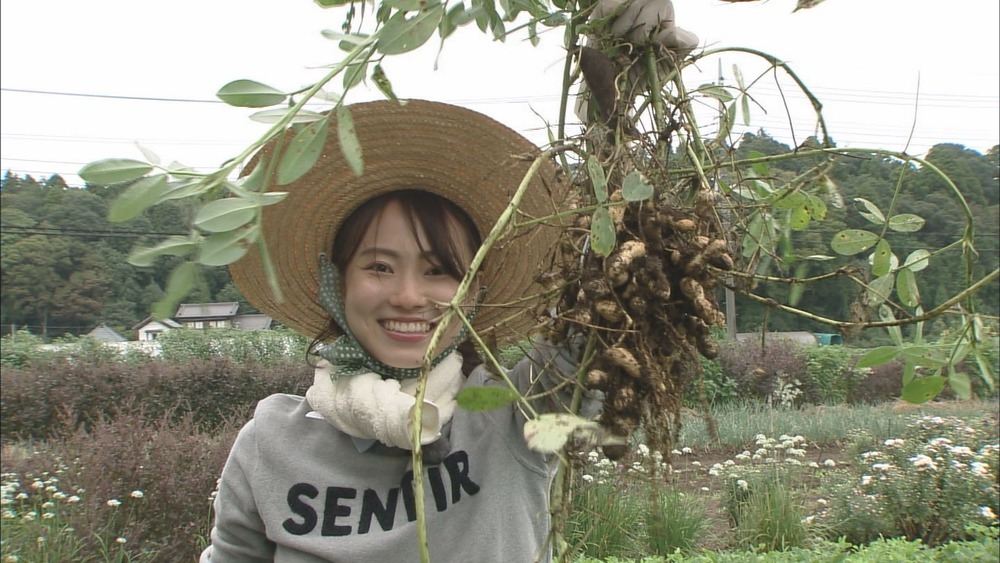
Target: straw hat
454,152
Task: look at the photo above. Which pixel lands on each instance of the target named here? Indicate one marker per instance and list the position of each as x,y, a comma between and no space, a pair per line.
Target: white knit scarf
368,407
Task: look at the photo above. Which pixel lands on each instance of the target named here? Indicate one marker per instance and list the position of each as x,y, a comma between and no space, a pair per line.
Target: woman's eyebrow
374,251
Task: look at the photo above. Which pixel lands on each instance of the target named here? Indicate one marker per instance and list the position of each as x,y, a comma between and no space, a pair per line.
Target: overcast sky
81,81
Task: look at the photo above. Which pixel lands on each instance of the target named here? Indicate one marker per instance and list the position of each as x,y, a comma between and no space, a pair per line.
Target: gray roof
104,333
252,322
200,311
165,322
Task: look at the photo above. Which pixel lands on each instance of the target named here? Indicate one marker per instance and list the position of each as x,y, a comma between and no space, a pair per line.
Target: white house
150,328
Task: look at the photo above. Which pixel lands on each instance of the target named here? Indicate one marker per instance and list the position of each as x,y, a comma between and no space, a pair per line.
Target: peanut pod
625,360
616,267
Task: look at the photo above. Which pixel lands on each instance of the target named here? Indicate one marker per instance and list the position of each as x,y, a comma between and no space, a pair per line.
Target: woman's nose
408,293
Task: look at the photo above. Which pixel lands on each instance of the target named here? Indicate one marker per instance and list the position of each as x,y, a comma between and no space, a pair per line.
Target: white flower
587,478
822,501
792,461
120,539
796,452
923,461
713,472
867,480
73,499
729,463
892,442
22,496
136,494
868,455
813,465
593,456
830,463
687,451
705,489
114,503
696,463
48,504
882,466
59,496
987,513
960,450
742,484
808,519
981,469
675,452
48,515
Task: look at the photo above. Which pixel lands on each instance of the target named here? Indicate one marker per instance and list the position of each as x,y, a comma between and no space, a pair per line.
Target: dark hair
426,210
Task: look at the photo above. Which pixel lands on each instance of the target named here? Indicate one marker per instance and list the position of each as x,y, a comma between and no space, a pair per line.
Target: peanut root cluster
650,304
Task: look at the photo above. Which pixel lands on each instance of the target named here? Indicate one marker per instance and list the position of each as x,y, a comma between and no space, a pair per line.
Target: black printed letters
344,513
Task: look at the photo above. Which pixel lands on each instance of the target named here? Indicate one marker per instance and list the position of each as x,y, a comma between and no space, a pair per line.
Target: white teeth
396,326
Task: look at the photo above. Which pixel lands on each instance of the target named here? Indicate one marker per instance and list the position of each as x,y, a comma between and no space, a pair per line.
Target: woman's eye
379,268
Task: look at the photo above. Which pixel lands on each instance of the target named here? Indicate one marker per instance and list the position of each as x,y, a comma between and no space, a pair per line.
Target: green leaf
917,260
602,232
926,356
726,124
350,146
401,34
799,218
138,197
226,214
816,207
185,187
250,94
906,288
718,92
909,372
853,241
881,258
760,168
745,109
879,290
486,398
598,179
383,83
960,384
354,74
303,152
906,223
222,249
332,3
351,39
277,114
408,5
549,432
923,389
151,156
885,314
985,371
143,257
877,356
114,171
636,187
179,284
790,199
872,212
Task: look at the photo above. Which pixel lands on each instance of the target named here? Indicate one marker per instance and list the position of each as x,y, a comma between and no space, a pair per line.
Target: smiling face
394,281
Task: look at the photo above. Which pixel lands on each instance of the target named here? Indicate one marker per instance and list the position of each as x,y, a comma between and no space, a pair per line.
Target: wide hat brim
464,156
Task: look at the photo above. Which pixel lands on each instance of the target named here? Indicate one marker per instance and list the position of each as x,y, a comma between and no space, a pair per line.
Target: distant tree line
64,265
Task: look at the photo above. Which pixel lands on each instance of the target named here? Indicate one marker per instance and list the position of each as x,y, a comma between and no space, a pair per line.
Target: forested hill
64,265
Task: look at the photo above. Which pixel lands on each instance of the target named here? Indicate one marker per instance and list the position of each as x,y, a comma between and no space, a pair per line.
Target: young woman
365,266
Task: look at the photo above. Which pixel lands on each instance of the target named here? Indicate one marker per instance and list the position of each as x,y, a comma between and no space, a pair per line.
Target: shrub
129,487
763,371
830,377
940,475
42,398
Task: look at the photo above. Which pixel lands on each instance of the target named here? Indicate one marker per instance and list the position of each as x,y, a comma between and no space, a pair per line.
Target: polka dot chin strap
345,353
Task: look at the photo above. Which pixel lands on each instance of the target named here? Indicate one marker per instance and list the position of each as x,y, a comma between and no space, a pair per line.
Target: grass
740,422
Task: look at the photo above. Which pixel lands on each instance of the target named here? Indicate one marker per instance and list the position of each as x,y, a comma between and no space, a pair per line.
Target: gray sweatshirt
296,489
